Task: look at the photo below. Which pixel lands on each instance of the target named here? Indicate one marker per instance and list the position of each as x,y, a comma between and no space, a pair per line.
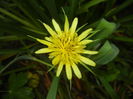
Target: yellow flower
65,47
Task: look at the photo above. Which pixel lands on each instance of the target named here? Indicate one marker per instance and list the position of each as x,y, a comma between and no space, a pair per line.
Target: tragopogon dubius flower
66,47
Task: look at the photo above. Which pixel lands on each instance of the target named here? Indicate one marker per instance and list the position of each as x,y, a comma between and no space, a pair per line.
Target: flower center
68,44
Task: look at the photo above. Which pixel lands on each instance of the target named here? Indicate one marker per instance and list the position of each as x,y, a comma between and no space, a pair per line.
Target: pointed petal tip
68,71
56,26
57,75
94,64
76,71
59,69
91,29
76,18
37,52
43,50
87,61
74,25
53,20
66,24
80,77
69,78
45,25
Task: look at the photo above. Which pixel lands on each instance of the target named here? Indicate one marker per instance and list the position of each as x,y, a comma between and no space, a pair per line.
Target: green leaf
53,89
50,4
123,39
23,58
106,53
17,80
12,81
27,7
104,82
18,30
11,38
119,8
126,19
106,28
15,51
73,8
23,93
21,79
7,51
16,87
14,17
110,74
109,4
108,87
84,8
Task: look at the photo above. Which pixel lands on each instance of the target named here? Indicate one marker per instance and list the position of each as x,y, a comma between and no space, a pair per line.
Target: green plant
20,18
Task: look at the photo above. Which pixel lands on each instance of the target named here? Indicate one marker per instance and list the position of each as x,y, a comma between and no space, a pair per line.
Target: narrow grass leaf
25,57
53,89
11,38
108,87
119,8
84,8
14,17
123,39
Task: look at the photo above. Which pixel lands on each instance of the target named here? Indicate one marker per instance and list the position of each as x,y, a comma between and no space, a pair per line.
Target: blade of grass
11,38
108,87
105,83
123,39
73,8
15,17
35,31
27,9
110,4
119,8
23,58
38,9
53,89
86,6
126,19
18,70
50,4
15,51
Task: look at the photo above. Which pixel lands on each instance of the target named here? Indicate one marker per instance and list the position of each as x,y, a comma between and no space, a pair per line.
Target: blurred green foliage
111,78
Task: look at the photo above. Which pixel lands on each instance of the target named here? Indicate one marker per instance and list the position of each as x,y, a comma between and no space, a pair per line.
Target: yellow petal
84,34
66,25
89,52
48,39
59,69
74,25
56,26
43,50
44,42
76,71
53,54
87,61
84,42
49,29
56,60
68,71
